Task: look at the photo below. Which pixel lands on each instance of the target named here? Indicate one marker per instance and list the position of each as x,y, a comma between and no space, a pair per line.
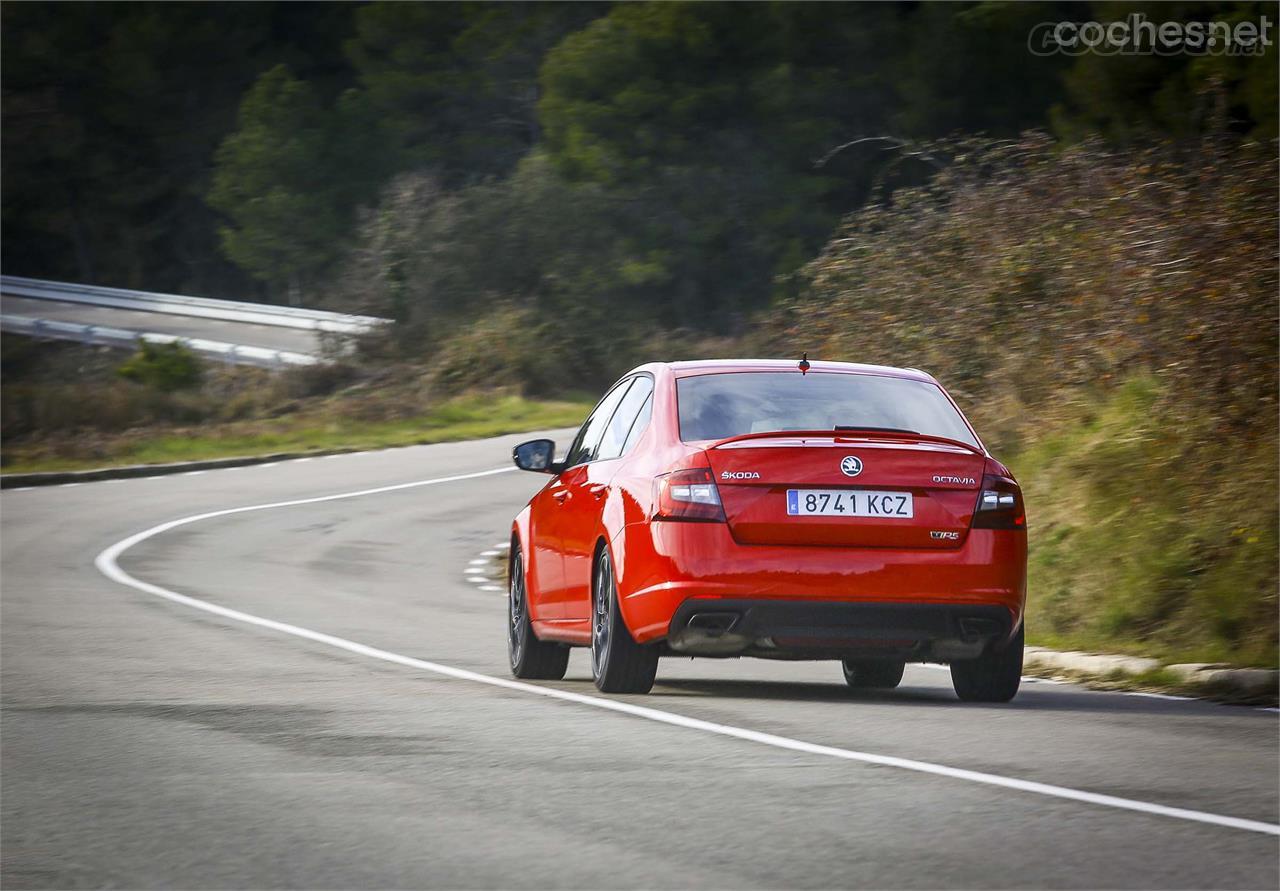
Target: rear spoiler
870,433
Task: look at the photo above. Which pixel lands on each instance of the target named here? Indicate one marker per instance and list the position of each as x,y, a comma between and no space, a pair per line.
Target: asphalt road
274,337
148,743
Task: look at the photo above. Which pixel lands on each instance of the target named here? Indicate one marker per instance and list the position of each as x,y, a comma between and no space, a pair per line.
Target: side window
613,443
588,438
641,423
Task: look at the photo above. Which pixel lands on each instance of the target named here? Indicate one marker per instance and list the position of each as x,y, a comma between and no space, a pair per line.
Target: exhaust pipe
712,624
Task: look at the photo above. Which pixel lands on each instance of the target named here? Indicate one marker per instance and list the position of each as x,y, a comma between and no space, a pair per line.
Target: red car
775,509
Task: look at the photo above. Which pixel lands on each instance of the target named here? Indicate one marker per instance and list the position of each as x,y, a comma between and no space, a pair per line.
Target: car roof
723,366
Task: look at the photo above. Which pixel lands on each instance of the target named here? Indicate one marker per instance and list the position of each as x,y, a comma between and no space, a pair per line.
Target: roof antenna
804,363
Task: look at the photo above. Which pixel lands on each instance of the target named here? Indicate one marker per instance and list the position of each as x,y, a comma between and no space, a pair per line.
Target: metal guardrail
177,304
231,353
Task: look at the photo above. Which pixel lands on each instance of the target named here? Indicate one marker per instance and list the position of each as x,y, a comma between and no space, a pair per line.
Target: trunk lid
755,474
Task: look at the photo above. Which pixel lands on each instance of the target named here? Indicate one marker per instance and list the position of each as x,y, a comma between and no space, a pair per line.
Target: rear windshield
716,406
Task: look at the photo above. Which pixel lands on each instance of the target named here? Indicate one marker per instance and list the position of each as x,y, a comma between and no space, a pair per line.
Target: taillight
687,495
999,505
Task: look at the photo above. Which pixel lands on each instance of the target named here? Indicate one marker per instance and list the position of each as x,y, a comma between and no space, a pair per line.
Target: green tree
1129,98
291,177
713,116
456,83
111,115
965,67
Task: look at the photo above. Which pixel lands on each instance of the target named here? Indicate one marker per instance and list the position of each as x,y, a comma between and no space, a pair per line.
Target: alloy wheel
602,605
515,609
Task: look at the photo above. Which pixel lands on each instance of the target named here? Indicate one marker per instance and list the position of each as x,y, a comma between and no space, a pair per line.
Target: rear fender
625,580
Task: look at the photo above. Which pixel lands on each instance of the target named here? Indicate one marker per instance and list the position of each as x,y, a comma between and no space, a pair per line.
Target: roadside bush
1028,275
578,349
440,263
48,408
320,379
163,366
511,347
17,353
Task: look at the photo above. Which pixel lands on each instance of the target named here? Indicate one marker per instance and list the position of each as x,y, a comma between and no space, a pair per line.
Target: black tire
531,659
868,674
992,677
618,663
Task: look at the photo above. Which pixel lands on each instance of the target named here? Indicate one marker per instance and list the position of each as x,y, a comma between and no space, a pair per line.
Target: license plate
846,503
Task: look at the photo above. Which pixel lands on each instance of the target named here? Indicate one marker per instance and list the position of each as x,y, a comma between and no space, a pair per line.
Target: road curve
145,742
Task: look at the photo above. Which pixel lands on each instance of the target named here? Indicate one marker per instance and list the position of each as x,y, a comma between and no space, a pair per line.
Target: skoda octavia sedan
776,509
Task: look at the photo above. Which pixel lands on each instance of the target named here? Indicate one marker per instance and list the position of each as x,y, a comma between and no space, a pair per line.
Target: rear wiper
841,428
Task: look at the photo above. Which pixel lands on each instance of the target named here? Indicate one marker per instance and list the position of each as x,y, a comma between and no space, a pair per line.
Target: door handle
560,496
598,490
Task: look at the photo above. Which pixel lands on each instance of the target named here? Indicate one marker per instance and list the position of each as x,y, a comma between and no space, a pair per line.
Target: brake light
999,505
687,495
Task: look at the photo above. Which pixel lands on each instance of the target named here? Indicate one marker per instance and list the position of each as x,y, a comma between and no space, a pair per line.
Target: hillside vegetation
1109,322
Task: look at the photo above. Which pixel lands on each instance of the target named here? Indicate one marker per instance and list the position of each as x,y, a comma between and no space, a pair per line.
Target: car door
562,506
546,566
589,489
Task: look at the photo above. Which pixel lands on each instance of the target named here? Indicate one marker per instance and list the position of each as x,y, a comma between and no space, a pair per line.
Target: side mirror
536,454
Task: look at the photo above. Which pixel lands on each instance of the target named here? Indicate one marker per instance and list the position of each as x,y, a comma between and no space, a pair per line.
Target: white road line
194,472
107,565
1168,696
486,559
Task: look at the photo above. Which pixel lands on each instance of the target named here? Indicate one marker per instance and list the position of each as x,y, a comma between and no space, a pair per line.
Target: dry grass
66,409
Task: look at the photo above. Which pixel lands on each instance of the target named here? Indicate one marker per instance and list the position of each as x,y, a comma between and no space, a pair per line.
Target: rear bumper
664,564
816,629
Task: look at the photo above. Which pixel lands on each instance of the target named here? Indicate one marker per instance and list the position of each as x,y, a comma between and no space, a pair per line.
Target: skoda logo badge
851,465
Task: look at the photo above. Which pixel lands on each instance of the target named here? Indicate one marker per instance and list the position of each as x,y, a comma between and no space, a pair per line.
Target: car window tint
615,434
641,423
584,447
717,406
